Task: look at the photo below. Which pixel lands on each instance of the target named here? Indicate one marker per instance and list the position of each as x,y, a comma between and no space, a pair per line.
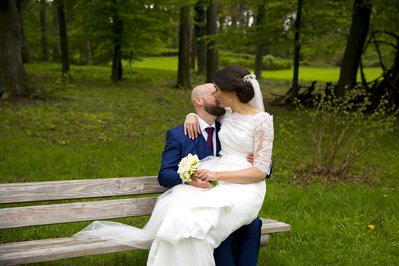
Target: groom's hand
250,157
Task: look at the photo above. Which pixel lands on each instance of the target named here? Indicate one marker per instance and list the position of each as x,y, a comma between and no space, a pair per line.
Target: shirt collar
204,124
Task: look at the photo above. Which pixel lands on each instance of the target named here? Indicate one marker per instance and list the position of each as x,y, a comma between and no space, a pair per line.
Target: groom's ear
198,100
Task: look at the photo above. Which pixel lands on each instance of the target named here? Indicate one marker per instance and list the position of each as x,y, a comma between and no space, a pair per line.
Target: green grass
317,74
305,73
98,129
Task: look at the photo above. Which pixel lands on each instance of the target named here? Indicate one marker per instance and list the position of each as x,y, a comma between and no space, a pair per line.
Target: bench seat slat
54,249
273,226
70,247
79,189
75,212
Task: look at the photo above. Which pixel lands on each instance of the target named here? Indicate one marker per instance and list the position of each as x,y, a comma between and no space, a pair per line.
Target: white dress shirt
203,125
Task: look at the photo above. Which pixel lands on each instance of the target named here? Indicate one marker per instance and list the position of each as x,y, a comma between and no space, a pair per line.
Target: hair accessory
249,77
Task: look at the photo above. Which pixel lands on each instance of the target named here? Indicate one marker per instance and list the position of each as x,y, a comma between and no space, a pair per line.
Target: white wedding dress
188,223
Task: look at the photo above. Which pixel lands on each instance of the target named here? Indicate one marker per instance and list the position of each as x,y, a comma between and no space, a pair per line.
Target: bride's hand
206,175
191,126
199,183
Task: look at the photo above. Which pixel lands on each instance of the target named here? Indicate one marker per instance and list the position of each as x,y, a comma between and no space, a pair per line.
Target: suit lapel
202,147
218,147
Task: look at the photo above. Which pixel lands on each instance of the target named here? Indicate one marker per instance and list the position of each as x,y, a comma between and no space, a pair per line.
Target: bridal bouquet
188,167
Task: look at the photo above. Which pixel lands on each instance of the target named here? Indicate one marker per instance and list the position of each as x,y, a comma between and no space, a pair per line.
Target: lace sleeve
264,135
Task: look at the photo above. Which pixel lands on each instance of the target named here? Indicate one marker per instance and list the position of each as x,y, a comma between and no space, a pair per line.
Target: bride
188,223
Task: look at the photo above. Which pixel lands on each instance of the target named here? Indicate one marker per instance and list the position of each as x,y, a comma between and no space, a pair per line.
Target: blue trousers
241,248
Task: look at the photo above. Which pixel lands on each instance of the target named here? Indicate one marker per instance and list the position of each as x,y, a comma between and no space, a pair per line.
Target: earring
230,98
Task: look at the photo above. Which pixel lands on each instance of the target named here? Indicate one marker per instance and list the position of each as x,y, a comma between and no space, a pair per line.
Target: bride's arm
264,135
245,176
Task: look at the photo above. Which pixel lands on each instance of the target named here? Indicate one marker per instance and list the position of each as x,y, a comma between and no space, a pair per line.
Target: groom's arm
171,156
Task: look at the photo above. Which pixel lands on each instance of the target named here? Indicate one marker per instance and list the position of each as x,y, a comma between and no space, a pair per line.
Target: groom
178,146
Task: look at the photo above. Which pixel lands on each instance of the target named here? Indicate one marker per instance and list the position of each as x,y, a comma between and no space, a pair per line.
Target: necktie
210,135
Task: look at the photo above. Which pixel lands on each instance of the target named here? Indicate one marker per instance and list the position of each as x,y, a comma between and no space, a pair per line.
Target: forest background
102,81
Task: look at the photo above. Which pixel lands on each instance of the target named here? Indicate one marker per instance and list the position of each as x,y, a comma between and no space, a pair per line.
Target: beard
214,109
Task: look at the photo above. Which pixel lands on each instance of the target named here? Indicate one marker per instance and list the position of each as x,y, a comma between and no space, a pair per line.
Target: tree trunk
212,60
200,32
117,64
192,46
88,53
56,33
295,87
260,48
25,46
63,37
183,72
390,83
43,27
354,47
117,30
14,81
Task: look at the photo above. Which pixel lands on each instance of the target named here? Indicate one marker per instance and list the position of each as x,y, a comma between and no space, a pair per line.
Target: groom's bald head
201,91
204,101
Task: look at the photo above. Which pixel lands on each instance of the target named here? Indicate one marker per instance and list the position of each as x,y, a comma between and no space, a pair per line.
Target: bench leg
264,239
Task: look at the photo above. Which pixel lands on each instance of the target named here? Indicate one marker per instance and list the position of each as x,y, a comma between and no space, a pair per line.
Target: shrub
61,84
339,132
269,62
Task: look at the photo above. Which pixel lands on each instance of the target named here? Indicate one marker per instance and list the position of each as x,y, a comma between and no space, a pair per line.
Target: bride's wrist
191,114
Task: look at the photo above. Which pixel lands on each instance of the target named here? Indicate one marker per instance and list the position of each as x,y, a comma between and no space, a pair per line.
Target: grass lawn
305,73
98,129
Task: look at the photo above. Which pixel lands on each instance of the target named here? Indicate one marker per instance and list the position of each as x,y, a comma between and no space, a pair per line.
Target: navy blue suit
247,237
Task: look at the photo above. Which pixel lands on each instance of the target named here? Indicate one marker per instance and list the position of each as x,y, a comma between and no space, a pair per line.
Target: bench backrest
12,217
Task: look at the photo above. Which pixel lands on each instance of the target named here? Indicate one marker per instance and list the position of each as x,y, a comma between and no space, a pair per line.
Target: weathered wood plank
74,212
264,240
54,249
79,189
273,226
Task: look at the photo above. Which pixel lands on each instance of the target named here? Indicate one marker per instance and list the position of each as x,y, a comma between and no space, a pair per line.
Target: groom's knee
253,229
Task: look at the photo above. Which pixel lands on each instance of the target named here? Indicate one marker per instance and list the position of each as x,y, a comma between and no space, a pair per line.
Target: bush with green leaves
61,84
332,136
269,62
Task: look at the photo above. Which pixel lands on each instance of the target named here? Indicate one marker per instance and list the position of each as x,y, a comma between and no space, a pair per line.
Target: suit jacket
177,147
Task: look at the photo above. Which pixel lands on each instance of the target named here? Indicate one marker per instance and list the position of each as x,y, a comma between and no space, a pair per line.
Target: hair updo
231,79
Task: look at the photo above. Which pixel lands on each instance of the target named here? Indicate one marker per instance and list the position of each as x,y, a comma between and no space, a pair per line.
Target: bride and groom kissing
195,223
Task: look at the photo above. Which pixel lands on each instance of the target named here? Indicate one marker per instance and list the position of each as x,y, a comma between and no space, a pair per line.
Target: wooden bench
69,247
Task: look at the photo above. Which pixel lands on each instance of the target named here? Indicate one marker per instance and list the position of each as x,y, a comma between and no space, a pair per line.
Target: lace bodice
243,134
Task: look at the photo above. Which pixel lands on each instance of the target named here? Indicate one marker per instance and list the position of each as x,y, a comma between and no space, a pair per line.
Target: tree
56,33
199,33
183,72
212,61
260,48
295,87
43,27
385,41
63,36
122,29
354,47
88,53
117,33
14,81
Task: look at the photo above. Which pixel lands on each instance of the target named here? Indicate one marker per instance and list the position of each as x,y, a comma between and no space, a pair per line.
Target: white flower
249,77
188,167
